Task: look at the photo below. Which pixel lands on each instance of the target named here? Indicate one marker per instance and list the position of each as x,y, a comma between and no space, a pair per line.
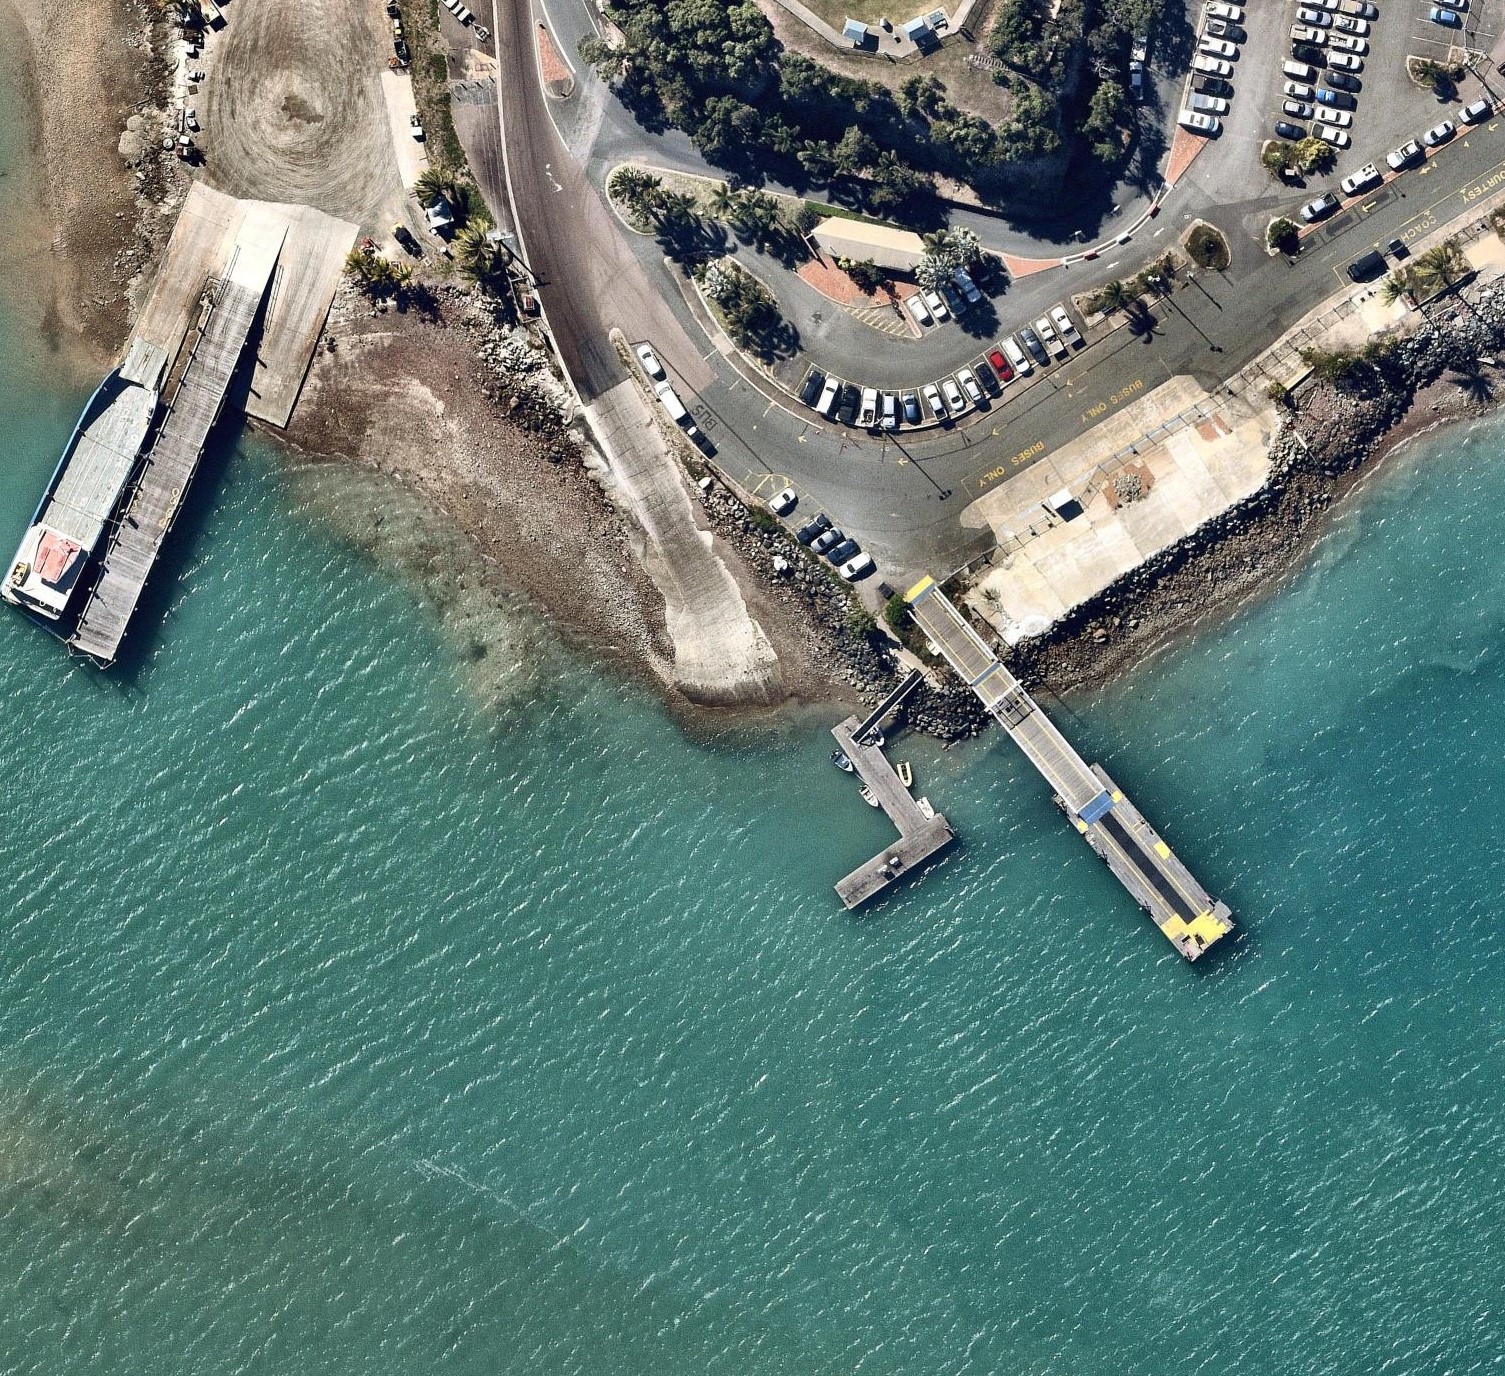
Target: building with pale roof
899,250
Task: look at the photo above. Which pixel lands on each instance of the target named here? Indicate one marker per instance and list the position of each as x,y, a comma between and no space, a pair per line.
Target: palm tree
1440,267
434,182
1113,296
477,257
673,209
723,201
1393,288
634,188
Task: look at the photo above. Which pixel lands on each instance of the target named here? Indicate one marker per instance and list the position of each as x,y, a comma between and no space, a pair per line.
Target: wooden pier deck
157,496
920,837
1189,917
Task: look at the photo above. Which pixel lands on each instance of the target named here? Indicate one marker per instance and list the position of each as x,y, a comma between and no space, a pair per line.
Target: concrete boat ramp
236,273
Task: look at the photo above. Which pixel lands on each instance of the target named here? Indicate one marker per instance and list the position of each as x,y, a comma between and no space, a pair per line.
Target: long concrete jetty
921,836
1191,919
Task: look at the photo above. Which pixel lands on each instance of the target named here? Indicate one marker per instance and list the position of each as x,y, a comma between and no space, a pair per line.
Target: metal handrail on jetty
1190,918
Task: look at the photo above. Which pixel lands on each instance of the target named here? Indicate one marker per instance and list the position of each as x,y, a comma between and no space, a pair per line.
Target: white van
1300,71
672,404
1017,357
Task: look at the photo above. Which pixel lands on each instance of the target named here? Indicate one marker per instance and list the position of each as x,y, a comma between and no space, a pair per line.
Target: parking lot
996,375
1388,108
1476,34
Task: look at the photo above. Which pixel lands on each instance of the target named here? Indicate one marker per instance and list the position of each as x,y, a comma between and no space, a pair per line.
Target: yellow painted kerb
919,588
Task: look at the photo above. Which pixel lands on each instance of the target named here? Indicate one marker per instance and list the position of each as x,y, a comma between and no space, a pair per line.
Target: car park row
1329,43
1053,336
1368,177
1210,91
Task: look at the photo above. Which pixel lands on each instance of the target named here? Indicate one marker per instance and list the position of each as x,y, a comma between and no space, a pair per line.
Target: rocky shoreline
1333,437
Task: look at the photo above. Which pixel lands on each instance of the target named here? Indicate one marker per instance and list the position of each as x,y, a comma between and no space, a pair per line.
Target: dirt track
293,108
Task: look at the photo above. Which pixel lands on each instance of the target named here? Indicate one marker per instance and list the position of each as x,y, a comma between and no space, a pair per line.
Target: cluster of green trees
1119,295
1283,235
1307,156
745,304
1066,73
945,251
1350,370
716,71
378,276
1427,275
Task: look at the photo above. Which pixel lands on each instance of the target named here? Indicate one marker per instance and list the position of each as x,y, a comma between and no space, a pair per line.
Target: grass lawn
836,12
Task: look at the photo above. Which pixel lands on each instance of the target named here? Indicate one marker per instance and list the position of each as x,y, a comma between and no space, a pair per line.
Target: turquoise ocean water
369,1011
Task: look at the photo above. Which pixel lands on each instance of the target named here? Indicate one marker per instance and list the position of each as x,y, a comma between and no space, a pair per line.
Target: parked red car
1000,366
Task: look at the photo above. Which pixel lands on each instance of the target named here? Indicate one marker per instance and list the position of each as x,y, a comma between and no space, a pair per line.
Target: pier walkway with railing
1191,919
156,497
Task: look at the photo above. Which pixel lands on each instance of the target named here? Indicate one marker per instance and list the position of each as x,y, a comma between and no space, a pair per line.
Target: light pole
1159,283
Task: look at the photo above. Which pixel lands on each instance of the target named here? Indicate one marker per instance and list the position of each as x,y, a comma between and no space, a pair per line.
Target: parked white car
1218,47
1211,66
1017,356
782,503
1304,33
1404,156
1218,10
1065,328
954,398
1362,180
1349,24
933,401
1342,118
916,306
1199,123
1347,43
1346,62
857,568
937,306
650,362
1047,334
968,380
1439,133
827,403
1337,137
1299,90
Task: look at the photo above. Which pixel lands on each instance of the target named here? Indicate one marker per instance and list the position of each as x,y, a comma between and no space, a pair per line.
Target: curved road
903,495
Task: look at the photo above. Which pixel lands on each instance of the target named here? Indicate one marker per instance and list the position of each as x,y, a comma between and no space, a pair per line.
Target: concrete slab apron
721,655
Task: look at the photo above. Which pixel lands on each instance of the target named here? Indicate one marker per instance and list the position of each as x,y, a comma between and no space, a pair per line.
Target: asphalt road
903,495
587,276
